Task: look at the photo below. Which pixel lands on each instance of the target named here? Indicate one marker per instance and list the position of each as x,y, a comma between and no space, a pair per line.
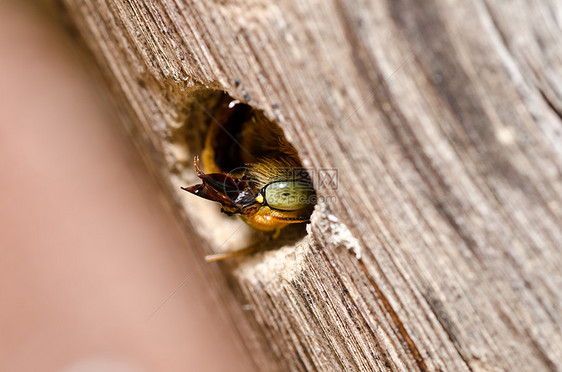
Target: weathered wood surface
442,247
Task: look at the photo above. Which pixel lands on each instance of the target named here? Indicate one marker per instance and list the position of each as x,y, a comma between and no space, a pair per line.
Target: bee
265,185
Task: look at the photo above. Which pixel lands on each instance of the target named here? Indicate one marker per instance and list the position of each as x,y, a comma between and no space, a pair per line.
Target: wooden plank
439,249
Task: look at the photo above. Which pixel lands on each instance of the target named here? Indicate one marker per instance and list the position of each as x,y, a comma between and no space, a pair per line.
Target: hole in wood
248,170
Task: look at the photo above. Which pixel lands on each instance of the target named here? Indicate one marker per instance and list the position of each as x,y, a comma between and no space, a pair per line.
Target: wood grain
439,249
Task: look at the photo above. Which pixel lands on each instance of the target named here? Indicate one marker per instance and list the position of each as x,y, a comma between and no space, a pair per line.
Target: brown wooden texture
440,247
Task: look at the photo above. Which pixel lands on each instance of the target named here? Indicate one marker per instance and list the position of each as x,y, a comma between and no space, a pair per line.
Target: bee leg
251,249
224,255
276,233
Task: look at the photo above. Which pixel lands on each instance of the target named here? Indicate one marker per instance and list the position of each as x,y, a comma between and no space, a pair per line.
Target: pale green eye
289,195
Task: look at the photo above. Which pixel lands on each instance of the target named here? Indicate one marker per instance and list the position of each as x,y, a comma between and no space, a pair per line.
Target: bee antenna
200,173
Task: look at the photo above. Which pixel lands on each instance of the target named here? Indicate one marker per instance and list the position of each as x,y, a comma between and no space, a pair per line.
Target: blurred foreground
88,249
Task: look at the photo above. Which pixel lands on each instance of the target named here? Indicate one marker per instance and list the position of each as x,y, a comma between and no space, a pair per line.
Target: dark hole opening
228,135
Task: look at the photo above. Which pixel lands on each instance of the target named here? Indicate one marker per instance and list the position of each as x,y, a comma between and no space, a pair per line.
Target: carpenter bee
254,172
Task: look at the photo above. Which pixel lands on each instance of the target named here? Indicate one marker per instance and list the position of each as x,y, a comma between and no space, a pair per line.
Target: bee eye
289,195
